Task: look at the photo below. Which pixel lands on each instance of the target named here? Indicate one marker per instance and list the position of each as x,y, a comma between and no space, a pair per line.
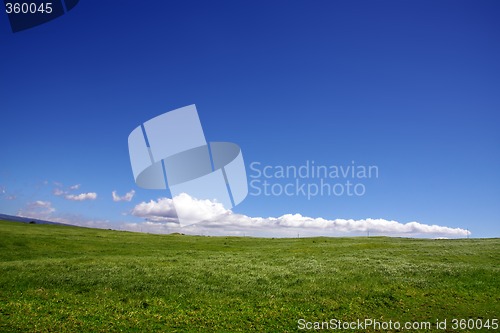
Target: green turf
69,279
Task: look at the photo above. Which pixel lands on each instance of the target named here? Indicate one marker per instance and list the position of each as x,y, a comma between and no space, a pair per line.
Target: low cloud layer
44,210
37,209
161,217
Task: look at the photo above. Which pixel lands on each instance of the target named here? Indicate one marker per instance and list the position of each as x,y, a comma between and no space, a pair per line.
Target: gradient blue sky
410,86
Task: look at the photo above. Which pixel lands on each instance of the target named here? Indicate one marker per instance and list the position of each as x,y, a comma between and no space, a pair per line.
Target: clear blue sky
410,86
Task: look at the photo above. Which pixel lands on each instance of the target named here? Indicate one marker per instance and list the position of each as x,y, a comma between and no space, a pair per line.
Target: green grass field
69,279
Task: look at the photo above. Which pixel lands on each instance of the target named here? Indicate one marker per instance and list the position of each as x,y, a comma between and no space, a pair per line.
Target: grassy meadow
69,279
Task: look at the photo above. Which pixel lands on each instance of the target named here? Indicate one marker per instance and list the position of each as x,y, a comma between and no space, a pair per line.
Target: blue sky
409,86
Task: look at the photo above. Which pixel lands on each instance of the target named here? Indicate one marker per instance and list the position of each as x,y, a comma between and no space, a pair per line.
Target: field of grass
69,279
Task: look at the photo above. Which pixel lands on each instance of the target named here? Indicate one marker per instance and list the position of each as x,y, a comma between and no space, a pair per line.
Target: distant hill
28,220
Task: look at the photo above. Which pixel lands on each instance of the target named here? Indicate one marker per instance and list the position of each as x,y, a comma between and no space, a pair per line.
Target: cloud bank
44,210
160,216
37,209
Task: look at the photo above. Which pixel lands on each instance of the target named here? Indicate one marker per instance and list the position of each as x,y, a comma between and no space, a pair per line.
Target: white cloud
127,197
162,210
47,205
37,209
81,220
44,210
220,221
58,192
81,196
